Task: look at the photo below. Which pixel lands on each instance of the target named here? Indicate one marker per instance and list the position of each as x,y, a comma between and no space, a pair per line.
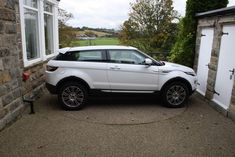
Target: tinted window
126,56
81,56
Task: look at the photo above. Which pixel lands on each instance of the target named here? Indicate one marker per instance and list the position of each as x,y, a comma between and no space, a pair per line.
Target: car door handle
115,68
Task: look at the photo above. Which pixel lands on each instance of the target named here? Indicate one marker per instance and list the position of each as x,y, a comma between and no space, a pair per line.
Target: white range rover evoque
75,72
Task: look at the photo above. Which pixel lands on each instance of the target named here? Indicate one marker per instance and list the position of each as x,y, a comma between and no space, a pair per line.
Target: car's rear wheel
175,95
72,96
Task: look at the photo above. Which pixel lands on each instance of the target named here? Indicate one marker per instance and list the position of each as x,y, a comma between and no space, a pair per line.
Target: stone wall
10,72
12,87
35,86
217,23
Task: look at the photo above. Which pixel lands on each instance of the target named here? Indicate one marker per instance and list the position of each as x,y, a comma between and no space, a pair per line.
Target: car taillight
51,68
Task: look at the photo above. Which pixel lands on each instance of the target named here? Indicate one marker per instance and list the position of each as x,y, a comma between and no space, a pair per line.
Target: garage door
226,68
204,58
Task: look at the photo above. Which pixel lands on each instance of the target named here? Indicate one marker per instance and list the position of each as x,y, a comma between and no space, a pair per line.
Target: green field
97,41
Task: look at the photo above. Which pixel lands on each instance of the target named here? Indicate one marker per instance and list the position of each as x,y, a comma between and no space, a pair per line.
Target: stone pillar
214,60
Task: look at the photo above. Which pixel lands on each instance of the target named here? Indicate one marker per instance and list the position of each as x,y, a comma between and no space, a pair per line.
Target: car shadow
114,99
117,100
124,99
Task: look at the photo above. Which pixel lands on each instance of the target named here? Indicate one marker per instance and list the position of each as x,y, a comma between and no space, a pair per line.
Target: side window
126,57
89,56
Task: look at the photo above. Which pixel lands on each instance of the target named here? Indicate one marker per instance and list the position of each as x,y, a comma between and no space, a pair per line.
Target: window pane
48,25
31,33
89,56
31,3
128,57
47,7
81,56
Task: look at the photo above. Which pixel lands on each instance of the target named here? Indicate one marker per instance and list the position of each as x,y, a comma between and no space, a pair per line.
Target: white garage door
226,68
204,58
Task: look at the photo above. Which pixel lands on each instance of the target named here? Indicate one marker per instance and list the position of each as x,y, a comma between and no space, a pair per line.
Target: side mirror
148,62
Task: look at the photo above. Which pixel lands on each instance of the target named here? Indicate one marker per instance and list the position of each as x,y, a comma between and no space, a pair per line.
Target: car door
127,71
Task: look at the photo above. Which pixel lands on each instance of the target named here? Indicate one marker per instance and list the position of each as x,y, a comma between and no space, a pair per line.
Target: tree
66,33
149,26
184,49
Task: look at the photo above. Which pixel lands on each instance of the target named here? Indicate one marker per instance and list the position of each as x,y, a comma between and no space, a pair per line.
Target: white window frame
41,32
53,25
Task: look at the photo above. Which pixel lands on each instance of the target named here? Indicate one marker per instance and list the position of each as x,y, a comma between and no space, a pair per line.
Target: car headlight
190,73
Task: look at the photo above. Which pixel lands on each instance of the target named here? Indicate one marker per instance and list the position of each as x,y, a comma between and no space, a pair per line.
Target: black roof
223,11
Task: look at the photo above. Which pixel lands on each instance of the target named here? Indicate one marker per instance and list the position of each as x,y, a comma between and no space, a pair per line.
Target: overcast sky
106,13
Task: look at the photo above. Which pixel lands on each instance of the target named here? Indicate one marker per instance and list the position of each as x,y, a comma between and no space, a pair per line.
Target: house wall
12,87
217,23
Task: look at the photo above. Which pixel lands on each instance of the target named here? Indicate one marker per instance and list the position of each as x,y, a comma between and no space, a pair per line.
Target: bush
184,49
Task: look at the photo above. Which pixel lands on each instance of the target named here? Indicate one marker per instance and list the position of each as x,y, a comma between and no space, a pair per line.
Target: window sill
37,62
50,56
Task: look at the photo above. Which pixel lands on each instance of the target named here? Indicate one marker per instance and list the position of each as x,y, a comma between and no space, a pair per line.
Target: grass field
97,41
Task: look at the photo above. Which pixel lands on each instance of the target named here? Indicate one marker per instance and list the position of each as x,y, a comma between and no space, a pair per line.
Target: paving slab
120,126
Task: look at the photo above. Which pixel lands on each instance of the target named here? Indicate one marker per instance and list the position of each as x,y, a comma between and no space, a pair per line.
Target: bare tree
66,33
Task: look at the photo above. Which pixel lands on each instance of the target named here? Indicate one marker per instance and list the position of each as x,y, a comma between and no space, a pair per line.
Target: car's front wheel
72,96
175,94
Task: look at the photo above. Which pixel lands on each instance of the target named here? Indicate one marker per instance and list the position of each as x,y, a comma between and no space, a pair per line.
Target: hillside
99,32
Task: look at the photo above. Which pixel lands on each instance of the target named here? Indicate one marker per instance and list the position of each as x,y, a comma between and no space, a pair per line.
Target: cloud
106,13
97,13
180,5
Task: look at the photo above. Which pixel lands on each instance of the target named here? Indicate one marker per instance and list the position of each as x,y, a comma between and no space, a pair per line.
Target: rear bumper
51,88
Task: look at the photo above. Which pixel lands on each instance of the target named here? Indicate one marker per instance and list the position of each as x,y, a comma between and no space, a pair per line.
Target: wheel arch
178,79
74,79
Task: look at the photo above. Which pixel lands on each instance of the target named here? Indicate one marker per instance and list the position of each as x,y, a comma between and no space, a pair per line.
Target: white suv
75,72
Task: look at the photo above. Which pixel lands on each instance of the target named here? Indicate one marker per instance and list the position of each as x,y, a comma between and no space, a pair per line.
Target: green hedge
184,49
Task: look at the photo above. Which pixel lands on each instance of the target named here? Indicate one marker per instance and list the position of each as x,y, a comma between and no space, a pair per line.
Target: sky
106,13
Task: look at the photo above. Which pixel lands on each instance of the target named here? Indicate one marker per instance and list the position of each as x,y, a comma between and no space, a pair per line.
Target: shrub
184,49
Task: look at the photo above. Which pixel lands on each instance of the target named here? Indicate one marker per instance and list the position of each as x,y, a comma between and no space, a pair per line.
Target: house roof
223,11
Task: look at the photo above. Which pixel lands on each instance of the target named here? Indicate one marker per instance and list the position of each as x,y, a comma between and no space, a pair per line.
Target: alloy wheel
176,95
72,96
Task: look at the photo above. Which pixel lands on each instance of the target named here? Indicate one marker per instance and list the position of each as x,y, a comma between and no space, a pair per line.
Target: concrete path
120,127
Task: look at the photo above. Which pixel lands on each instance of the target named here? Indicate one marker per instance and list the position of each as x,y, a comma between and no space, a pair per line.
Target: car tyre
72,96
175,95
